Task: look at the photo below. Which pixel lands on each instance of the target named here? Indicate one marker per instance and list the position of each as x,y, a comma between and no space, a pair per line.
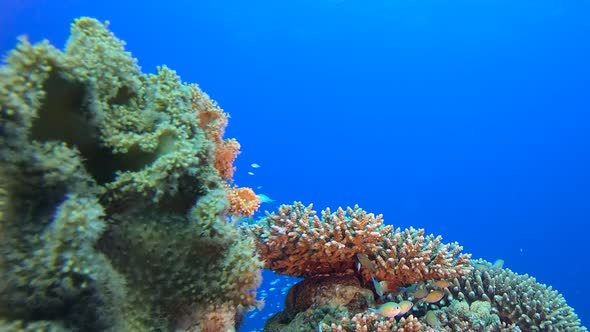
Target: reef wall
115,187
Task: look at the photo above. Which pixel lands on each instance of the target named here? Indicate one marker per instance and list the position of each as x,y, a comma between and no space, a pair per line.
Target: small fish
384,285
250,173
377,286
442,283
480,267
389,309
265,199
242,220
408,289
498,264
405,306
419,293
366,262
254,165
259,304
432,320
434,296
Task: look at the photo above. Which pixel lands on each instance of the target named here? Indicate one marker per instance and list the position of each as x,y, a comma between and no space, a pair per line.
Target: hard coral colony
115,201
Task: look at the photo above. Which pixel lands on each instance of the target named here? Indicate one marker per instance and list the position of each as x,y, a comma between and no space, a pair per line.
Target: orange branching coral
213,121
242,201
295,241
364,322
409,256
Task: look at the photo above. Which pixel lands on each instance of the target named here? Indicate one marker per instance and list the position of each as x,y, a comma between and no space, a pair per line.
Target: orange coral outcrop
242,201
213,120
225,154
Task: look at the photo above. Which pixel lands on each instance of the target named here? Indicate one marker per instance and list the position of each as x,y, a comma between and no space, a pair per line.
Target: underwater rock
320,299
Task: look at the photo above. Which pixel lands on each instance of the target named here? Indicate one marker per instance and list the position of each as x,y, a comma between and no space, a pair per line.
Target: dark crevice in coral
66,115
176,204
123,97
75,306
183,199
36,206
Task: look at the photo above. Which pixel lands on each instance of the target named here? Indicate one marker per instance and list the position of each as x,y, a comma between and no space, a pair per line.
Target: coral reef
114,195
441,289
296,242
487,299
340,303
116,201
338,284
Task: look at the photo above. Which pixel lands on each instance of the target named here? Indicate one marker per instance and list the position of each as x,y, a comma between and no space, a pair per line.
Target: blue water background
467,118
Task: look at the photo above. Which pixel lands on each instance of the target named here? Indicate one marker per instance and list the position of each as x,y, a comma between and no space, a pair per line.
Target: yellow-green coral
112,212
50,263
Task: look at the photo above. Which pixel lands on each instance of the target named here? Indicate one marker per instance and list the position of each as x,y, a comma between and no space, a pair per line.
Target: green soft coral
110,203
51,270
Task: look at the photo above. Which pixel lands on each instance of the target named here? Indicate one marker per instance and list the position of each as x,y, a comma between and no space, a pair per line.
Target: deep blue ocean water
468,118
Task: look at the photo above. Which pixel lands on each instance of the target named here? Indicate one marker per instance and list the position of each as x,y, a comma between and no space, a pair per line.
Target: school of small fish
416,291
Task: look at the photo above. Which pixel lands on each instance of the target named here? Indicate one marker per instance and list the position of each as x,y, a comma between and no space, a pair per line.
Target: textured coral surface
295,241
114,195
487,299
445,291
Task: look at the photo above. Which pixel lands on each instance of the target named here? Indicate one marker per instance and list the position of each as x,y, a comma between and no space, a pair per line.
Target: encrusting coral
114,195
